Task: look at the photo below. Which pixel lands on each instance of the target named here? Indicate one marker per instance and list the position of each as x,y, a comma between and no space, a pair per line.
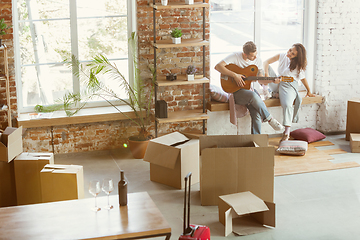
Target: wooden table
74,219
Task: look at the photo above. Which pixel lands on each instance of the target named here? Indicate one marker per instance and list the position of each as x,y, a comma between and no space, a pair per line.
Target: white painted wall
337,74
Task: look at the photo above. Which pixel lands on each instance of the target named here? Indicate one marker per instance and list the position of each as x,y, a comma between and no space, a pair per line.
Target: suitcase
192,232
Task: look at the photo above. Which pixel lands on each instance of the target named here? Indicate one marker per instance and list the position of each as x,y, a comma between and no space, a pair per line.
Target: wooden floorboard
313,161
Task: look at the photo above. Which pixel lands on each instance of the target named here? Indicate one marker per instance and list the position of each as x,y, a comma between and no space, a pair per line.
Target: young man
249,98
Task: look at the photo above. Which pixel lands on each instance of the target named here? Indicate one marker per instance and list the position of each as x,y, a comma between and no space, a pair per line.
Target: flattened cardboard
236,165
27,167
355,142
61,182
170,164
352,117
244,213
11,144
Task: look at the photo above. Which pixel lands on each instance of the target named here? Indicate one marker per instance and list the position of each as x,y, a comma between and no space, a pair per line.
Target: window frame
131,27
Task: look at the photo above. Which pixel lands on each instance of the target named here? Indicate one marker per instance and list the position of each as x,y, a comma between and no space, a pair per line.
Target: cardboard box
355,142
7,184
244,213
171,158
62,182
11,144
27,167
353,116
236,163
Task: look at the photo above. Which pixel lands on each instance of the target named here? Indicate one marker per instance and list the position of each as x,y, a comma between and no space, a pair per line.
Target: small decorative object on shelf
190,72
122,189
189,1
171,76
176,35
164,2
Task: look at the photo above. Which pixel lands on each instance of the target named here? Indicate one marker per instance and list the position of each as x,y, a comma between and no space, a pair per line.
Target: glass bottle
122,189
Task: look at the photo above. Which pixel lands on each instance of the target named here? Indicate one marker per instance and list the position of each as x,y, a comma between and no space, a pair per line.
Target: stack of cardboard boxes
27,178
238,168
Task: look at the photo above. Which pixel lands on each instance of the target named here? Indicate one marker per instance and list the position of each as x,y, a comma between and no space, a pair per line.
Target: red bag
192,232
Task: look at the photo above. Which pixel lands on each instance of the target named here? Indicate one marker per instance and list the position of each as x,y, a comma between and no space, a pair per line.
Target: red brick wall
111,135
7,39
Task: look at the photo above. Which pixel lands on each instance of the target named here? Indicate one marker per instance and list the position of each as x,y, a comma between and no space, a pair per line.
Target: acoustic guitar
229,85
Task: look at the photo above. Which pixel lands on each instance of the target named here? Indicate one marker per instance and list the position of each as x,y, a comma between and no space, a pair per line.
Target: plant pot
189,1
190,77
138,148
164,2
176,40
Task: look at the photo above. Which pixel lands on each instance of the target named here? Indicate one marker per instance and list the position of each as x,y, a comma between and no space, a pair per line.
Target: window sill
88,115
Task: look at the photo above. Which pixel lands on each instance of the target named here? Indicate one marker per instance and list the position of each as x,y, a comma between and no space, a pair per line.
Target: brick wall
338,60
6,13
111,135
336,78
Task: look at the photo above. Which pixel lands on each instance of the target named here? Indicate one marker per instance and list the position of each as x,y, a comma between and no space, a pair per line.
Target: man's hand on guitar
239,79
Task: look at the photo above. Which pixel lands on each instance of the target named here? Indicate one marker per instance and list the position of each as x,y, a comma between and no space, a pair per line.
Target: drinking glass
94,189
108,187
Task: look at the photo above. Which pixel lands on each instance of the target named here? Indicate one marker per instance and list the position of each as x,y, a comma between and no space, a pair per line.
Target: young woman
292,64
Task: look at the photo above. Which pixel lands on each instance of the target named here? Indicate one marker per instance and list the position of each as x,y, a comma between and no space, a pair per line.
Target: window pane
231,25
44,41
91,8
281,26
41,9
45,83
103,35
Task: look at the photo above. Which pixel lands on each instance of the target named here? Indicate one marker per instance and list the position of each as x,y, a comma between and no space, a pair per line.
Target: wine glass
94,189
108,187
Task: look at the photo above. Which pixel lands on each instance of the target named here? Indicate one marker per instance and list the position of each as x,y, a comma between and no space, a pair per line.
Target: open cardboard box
171,158
244,213
27,167
236,163
62,182
11,144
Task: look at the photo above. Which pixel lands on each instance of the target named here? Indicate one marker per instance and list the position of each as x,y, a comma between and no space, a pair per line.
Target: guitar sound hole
253,69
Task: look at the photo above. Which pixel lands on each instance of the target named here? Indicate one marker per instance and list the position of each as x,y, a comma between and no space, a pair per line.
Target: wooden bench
214,106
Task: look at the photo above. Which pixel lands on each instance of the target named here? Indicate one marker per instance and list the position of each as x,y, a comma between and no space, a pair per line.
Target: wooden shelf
181,80
192,42
182,116
179,5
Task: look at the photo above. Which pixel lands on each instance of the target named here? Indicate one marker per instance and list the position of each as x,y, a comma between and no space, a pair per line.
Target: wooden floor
313,161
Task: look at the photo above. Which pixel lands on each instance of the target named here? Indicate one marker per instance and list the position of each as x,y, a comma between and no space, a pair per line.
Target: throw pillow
293,147
307,134
218,94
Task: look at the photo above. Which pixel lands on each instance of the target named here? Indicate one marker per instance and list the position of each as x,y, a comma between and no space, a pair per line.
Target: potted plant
164,2
3,27
176,35
171,76
189,1
190,72
91,73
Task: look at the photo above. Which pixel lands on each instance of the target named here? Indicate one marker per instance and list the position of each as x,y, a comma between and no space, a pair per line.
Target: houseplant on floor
91,73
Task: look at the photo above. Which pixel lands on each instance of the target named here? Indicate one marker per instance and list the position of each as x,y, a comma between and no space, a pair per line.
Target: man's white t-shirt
284,69
237,59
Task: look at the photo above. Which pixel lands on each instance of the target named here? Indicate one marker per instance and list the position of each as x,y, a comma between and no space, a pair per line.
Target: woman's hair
249,47
299,62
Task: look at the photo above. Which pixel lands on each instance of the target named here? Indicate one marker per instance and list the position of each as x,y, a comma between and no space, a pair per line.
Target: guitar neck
253,78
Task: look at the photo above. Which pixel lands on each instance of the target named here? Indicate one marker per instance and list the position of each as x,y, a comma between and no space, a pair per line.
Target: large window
49,32
274,25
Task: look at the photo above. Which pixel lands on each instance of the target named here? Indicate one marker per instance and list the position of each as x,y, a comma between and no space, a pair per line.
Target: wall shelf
188,115
158,6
